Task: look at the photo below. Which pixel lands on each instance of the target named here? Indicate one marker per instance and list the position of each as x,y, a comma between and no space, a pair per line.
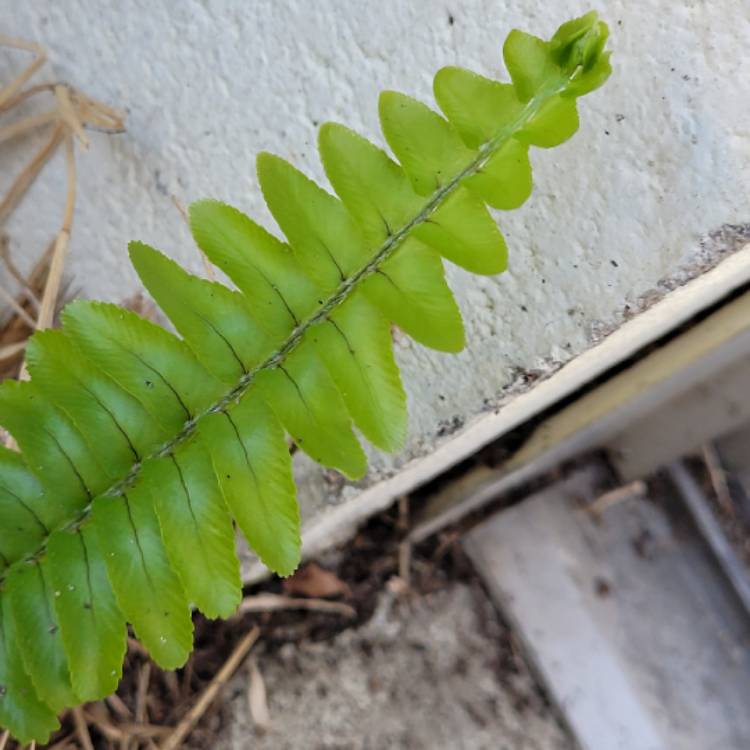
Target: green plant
138,448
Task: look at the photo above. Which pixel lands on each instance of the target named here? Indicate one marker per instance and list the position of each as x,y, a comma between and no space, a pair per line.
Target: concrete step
628,619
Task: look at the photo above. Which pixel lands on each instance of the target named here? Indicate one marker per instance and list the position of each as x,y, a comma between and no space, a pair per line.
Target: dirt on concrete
405,651
436,672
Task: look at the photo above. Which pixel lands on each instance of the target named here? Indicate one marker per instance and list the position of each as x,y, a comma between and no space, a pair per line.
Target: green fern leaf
355,345
327,243
31,599
196,528
254,470
144,360
92,628
216,322
305,399
54,447
21,710
147,589
411,291
140,448
26,514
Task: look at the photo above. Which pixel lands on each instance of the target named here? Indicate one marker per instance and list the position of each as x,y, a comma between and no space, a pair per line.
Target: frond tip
140,449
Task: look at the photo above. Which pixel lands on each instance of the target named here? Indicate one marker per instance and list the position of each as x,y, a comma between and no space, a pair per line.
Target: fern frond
139,448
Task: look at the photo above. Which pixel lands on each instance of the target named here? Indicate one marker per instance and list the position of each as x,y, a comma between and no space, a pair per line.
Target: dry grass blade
27,124
17,307
187,680
10,350
82,730
4,739
257,698
125,732
68,114
173,686
65,742
59,254
15,273
73,112
15,331
52,289
144,678
25,179
97,115
236,658
118,707
40,56
608,499
181,208
718,479
404,563
22,96
276,602
145,731
96,715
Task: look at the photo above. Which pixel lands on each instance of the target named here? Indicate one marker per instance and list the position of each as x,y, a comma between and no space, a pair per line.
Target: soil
437,672
424,665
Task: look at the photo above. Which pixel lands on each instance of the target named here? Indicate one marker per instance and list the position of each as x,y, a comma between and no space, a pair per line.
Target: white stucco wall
653,189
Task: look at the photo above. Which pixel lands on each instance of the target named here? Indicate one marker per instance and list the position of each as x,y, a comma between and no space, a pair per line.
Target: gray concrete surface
419,678
653,190
637,634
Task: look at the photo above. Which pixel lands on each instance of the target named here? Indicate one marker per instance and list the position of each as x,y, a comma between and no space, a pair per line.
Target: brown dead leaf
314,581
277,602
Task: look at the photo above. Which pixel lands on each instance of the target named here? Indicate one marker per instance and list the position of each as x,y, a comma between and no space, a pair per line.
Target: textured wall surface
653,189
